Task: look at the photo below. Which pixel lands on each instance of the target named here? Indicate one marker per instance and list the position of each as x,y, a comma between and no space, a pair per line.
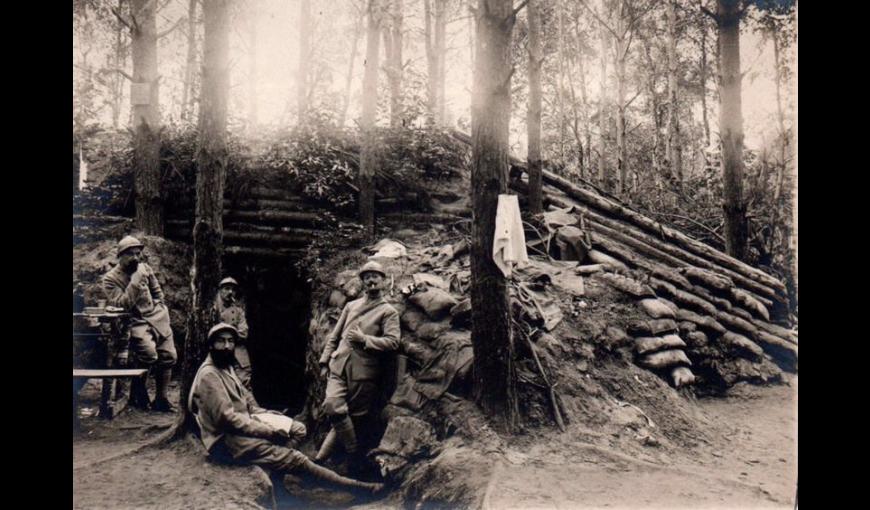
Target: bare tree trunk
621,152
253,112
304,59
187,87
145,99
211,162
357,31
603,170
367,122
704,87
534,113
435,27
674,150
120,62
560,83
780,117
494,383
654,109
731,128
393,41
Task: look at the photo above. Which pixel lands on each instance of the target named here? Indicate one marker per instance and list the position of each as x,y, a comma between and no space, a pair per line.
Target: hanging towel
509,243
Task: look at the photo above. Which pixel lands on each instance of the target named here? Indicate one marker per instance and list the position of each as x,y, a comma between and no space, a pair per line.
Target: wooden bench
109,407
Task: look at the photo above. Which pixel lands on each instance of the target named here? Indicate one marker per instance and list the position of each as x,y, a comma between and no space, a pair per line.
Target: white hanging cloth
509,243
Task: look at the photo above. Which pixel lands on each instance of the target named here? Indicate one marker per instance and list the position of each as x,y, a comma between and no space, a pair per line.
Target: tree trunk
654,109
253,112
187,86
560,83
731,128
368,159
603,170
357,30
393,41
304,64
621,152
435,28
145,97
211,162
534,114
494,384
704,87
675,152
120,62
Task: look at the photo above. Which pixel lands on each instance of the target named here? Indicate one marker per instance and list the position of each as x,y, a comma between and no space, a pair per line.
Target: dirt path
750,463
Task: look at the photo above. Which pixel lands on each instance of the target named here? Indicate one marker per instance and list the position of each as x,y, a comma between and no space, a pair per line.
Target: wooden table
107,334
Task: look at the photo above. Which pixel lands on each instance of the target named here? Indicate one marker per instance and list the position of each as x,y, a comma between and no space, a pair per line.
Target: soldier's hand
280,436
356,334
324,371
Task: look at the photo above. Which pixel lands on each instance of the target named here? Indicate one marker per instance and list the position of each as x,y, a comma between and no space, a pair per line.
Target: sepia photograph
420,254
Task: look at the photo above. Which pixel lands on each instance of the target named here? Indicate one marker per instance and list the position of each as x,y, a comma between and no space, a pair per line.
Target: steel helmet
127,243
229,281
372,267
222,326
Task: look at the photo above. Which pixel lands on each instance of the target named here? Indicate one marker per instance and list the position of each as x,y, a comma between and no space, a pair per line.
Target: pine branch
519,7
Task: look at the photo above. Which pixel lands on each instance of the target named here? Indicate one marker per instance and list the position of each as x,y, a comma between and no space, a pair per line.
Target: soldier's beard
131,267
222,357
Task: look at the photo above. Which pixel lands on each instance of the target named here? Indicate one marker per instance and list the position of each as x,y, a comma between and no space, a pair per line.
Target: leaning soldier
133,286
367,327
231,310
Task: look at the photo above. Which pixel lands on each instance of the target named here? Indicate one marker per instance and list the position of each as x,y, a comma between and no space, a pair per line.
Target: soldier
133,286
231,310
367,327
233,427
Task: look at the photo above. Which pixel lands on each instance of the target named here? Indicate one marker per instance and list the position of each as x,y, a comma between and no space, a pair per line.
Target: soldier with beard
133,286
231,423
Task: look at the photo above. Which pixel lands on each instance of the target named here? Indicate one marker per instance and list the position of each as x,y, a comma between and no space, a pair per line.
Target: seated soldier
231,310
230,429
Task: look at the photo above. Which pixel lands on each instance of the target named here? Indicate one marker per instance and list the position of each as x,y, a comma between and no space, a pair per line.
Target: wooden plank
109,372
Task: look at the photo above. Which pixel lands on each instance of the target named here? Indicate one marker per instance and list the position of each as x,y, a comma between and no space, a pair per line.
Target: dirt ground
746,460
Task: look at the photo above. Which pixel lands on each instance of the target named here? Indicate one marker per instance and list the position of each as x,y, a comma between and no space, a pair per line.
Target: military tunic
355,367
234,314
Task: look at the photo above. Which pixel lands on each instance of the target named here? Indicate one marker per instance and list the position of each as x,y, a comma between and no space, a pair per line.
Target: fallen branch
551,389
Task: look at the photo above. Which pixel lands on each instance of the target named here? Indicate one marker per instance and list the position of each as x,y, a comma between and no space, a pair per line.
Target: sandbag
652,327
405,440
627,285
389,249
337,298
571,243
461,314
741,343
657,309
682,376
431,330
671,276
714,280
429,280
686,327
646,344
665,359
435,302
603,258
696,339
734,322
412,318
703,321
686,299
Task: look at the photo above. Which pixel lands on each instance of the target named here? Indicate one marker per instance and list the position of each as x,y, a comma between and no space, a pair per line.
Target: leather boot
162,377
139,393
327,447
331,477
345,432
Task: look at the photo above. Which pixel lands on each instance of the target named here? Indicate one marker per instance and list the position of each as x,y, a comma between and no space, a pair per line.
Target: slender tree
533,120
304,59
494,384
393,42
190,65
435,24
211,163
348,78
674,149
368,159
253,113
727,17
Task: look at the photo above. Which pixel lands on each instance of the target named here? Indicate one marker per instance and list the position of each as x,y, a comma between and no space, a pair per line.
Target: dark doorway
278,302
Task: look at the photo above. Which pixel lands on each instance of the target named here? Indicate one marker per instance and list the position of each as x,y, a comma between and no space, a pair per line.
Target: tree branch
605,25
172,28
122,19
520,7
117,70
709,13
632,99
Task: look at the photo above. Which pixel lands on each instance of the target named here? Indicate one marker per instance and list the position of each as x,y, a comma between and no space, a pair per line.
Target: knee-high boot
344,430
327,447
162,377
336,479
139,392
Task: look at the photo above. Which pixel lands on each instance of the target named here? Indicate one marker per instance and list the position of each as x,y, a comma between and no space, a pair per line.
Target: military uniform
355,367
224,411
234,314
151,339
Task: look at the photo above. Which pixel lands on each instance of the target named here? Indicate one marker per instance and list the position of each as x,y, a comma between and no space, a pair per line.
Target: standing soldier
133,286
231,310
367,327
